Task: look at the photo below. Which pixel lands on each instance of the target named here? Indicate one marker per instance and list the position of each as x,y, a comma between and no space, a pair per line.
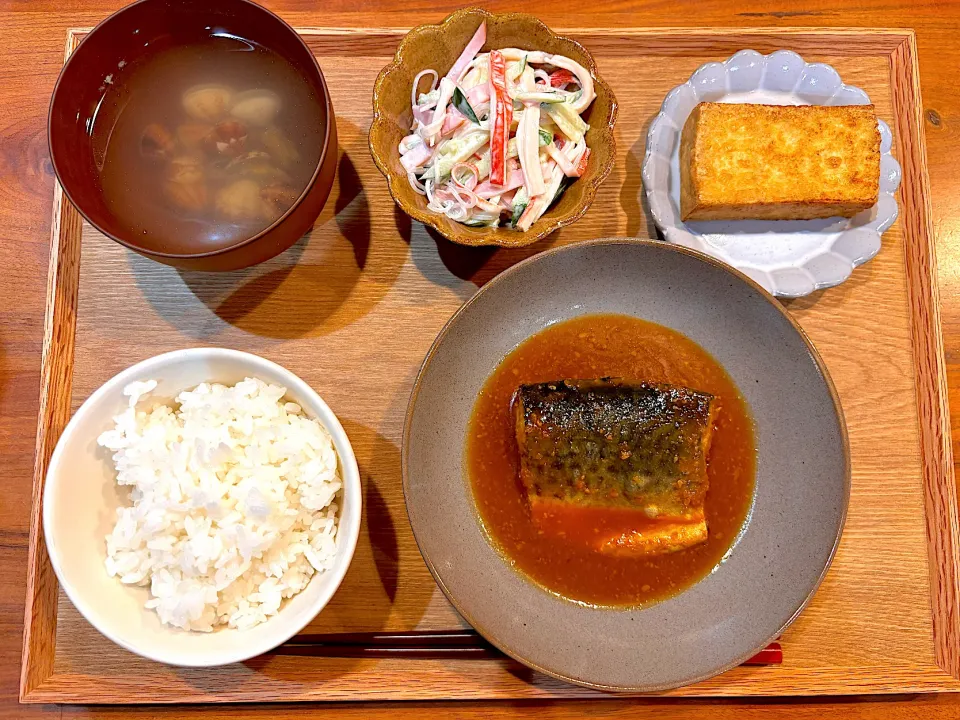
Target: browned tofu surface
775,162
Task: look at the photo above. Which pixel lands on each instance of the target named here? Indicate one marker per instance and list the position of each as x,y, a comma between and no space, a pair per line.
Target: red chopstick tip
772,654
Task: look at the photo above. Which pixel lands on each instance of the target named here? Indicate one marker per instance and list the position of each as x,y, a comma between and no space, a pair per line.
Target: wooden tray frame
40,683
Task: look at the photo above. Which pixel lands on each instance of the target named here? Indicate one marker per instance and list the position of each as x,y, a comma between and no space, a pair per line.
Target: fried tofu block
773,162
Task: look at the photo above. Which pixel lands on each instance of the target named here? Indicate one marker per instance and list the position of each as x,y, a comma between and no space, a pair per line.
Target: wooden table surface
30,58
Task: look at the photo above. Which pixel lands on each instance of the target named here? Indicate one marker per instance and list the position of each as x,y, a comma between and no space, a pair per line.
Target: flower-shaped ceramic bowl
788,258
437,47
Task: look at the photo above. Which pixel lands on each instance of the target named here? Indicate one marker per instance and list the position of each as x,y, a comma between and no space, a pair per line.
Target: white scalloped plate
788,258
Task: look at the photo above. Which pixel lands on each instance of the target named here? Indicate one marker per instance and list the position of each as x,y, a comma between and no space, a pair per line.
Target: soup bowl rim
328,131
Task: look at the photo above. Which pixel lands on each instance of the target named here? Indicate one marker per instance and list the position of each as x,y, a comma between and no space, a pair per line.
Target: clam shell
185,169
259,166
156,142
256,107
280,146
191,196
241,200
207,102
191,134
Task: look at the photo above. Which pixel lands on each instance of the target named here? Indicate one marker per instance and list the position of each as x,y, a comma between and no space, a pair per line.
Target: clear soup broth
206,144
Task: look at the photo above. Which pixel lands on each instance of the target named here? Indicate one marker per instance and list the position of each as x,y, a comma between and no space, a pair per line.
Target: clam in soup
207,144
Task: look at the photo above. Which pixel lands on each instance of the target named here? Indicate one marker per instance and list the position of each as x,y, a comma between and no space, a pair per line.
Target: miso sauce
594,346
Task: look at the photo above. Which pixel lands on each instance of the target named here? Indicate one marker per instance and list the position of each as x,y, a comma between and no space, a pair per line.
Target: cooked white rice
234,502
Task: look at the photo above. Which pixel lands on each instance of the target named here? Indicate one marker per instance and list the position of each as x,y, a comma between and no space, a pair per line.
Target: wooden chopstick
403,638
429,645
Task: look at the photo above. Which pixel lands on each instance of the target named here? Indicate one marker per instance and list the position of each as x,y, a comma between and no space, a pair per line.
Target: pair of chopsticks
430,645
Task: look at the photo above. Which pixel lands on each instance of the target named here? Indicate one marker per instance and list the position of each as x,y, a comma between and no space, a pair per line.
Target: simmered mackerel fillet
620,465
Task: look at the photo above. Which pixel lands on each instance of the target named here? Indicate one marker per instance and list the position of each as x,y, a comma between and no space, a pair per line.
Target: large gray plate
803,468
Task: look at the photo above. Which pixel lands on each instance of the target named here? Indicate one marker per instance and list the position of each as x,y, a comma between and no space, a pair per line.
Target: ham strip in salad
497,140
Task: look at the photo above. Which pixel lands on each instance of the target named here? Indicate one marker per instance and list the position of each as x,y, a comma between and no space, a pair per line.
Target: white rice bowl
233,506
81,499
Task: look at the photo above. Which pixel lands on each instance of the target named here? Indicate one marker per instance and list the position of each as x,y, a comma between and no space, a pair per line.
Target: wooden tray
354,306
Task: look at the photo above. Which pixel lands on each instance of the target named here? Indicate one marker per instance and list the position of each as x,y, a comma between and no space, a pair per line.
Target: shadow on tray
450,265
633,198
326,280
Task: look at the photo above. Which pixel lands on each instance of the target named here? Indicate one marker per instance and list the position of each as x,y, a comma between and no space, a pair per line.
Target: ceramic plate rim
504,646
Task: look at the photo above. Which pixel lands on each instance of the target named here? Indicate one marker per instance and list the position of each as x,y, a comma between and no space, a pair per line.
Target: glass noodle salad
499,137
